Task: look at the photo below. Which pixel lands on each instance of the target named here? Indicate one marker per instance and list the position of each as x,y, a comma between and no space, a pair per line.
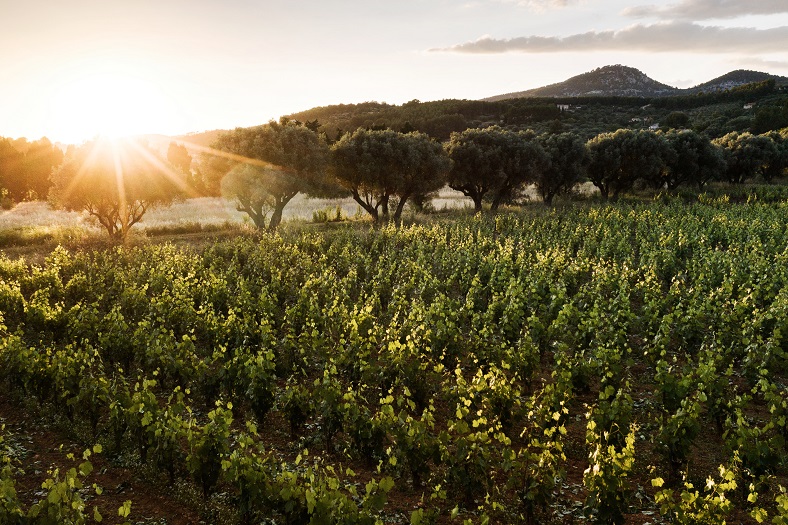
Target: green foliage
679,430
781,501
605,477
25,168
376,166
676,120
297,407
495,162
328,215
266,166
607,473
587,117
114,183
10,508
316,495
534,469
770,117
696,160
209,445
181,161
691,507
465,445
620,159
568,160
446,356
746,155
777,161
64,493
758,446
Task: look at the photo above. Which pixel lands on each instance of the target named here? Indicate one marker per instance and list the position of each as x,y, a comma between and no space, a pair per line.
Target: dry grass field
206,211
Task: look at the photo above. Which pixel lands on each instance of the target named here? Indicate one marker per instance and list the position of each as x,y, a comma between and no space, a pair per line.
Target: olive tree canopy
568,160
777,161
115,182
495,162
264,167
618,160
376,165
695,161
747,155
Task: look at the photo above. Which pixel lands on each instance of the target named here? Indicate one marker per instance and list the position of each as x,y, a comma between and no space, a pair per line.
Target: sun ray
164,168
233,156
94,151
121,183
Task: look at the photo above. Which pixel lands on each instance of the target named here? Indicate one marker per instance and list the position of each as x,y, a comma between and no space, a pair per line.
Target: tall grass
63,234
37,223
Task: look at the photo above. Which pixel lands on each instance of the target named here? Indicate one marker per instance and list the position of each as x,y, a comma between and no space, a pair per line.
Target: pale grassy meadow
36,219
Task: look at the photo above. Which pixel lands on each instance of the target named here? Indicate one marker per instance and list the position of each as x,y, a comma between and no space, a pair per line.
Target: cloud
708,9
662,37
543,4
539,6
761,64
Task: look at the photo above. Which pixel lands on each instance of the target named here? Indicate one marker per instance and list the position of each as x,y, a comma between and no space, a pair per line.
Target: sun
107,104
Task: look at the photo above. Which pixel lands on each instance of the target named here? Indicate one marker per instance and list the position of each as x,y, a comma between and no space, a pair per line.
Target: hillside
735,79
618,81
623,81
599,101
715,113
202,138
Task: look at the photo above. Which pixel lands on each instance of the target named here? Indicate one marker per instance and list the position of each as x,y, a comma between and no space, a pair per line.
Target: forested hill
735,79
626,81
203,138
715,113
438,119
604,81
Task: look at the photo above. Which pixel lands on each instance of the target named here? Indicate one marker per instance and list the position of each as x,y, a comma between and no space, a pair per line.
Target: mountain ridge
624,81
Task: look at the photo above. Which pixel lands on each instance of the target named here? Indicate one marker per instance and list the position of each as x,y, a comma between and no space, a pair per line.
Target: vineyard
620,363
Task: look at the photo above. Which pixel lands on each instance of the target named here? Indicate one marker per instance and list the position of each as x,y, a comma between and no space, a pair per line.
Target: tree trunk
477,203
276,216
475,194
373,211
384,207
497,200
257,215
400,206
548,198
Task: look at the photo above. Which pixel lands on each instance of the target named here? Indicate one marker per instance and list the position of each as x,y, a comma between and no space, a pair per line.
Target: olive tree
568,159
376,165
494,162
264,167
11,168
114,182
26,167
695,160
618,160
777,161
746,155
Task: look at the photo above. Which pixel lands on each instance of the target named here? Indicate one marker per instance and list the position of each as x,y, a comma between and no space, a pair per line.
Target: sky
72,70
